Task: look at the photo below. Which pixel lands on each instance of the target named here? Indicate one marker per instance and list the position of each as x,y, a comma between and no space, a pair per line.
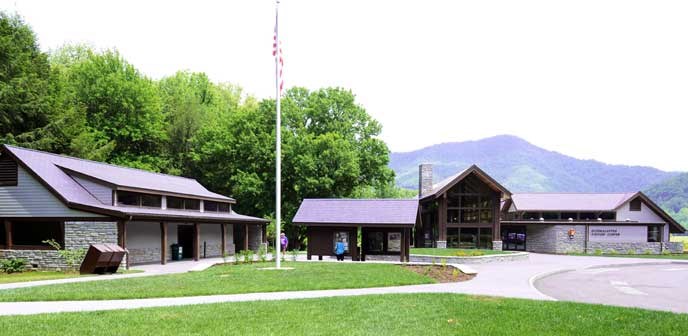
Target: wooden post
408,245
8,234
163,243
309,248
442,217
122,237
496,223
402,247
223,227
264,232
246,237
197,242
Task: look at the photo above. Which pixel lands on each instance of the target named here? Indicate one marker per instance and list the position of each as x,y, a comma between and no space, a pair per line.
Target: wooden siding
101,192
31,199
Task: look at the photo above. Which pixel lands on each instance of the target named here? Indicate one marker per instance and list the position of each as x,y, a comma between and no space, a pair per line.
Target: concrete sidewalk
505,279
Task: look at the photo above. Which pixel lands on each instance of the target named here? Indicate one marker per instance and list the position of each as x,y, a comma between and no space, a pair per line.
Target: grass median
455,252
397,314
228,279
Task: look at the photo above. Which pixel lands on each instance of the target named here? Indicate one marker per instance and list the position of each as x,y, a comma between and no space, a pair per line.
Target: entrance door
514,238
185,237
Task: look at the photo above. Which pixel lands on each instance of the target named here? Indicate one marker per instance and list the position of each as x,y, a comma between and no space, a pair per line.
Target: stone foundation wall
77,235
555,238
146,255
379,257
634,248
514,256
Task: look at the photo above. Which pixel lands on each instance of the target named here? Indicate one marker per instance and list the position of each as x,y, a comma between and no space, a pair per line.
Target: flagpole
278,149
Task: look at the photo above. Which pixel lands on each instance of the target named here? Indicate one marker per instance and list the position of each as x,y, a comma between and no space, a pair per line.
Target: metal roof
357,211
569,201
54,172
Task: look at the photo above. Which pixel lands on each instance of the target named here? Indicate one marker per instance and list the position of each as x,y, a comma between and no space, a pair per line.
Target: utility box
102,258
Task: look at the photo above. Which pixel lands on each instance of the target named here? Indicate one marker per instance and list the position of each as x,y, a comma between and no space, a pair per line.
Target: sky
593,79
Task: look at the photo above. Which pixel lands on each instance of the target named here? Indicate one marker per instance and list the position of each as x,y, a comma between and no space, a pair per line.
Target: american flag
279,60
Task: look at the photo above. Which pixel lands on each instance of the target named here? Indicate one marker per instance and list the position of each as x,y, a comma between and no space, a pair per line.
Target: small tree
72,257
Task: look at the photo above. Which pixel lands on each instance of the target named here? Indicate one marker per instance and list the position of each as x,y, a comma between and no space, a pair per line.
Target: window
469,216
452,237
608,215
470,201
468,238
183,203
153,201
374,242
636,205
486,216
550,215
138,199
8,171
127,198
175,202
211,206
654,234
567,215
486,238
32,234
453,216
531,215
587,216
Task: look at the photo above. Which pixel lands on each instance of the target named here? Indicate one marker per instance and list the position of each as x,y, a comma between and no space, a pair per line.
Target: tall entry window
469,237
470,202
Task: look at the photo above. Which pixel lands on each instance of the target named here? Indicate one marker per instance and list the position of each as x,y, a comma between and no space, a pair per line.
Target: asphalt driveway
659,287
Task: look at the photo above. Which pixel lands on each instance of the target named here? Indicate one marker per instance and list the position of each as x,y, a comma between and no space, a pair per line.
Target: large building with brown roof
470,209
80,202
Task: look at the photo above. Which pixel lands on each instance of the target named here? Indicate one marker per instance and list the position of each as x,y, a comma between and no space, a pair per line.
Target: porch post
442,221
402,247
8,234
246,237
264,230
224,238
197,242
122,237
163,243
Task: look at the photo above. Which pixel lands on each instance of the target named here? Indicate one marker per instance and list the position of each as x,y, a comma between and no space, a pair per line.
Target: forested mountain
672,195
523,167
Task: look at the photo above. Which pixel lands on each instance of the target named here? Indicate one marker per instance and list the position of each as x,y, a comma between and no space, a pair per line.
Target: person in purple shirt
284,242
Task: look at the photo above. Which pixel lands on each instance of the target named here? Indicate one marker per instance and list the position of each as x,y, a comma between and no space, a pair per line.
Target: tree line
93,104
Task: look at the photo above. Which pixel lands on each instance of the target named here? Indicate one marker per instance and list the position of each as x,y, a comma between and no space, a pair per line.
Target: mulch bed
440,273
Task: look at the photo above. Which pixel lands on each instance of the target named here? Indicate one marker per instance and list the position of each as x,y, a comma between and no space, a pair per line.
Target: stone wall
512,256
77,235
555,238
634,248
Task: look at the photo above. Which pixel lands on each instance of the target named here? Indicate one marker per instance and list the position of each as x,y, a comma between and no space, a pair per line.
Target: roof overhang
473,169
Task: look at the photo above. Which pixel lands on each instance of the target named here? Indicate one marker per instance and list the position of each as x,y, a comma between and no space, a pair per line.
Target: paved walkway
506,279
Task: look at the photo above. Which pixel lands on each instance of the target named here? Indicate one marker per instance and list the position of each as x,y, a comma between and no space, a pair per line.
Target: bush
10,266
263,253
248,256
72,257
598,252
666,252
613,252
630,252
237,258
648,252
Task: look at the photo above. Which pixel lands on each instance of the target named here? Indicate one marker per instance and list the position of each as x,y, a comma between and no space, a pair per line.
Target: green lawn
397,314
34,276
228,279
447,252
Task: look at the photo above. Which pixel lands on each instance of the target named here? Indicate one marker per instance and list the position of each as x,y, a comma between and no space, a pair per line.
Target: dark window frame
18,246
657,229
183,202
139,199
635,205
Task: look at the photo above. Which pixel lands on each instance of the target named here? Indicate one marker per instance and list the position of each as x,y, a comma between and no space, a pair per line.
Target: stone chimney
424,179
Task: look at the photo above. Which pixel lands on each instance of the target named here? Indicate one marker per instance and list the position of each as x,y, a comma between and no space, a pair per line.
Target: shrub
630,252
237,258
455,273
613,252
443,262
13,265
72,257
248,256
460,253
263,253
427,270
598,252
666,252
648,252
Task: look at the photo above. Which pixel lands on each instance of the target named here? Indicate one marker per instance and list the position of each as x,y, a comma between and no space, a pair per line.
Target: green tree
122,109
24,79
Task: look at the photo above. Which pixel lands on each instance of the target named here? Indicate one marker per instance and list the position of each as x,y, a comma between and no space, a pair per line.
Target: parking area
650,286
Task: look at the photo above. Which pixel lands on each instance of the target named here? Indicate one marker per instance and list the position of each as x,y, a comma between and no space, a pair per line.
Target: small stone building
80,202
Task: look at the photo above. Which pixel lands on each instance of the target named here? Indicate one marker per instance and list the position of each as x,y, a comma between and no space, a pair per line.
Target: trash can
176,252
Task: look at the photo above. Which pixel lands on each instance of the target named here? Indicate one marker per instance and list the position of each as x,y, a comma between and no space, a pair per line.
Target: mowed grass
228,279
34,276
452,252
392,314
